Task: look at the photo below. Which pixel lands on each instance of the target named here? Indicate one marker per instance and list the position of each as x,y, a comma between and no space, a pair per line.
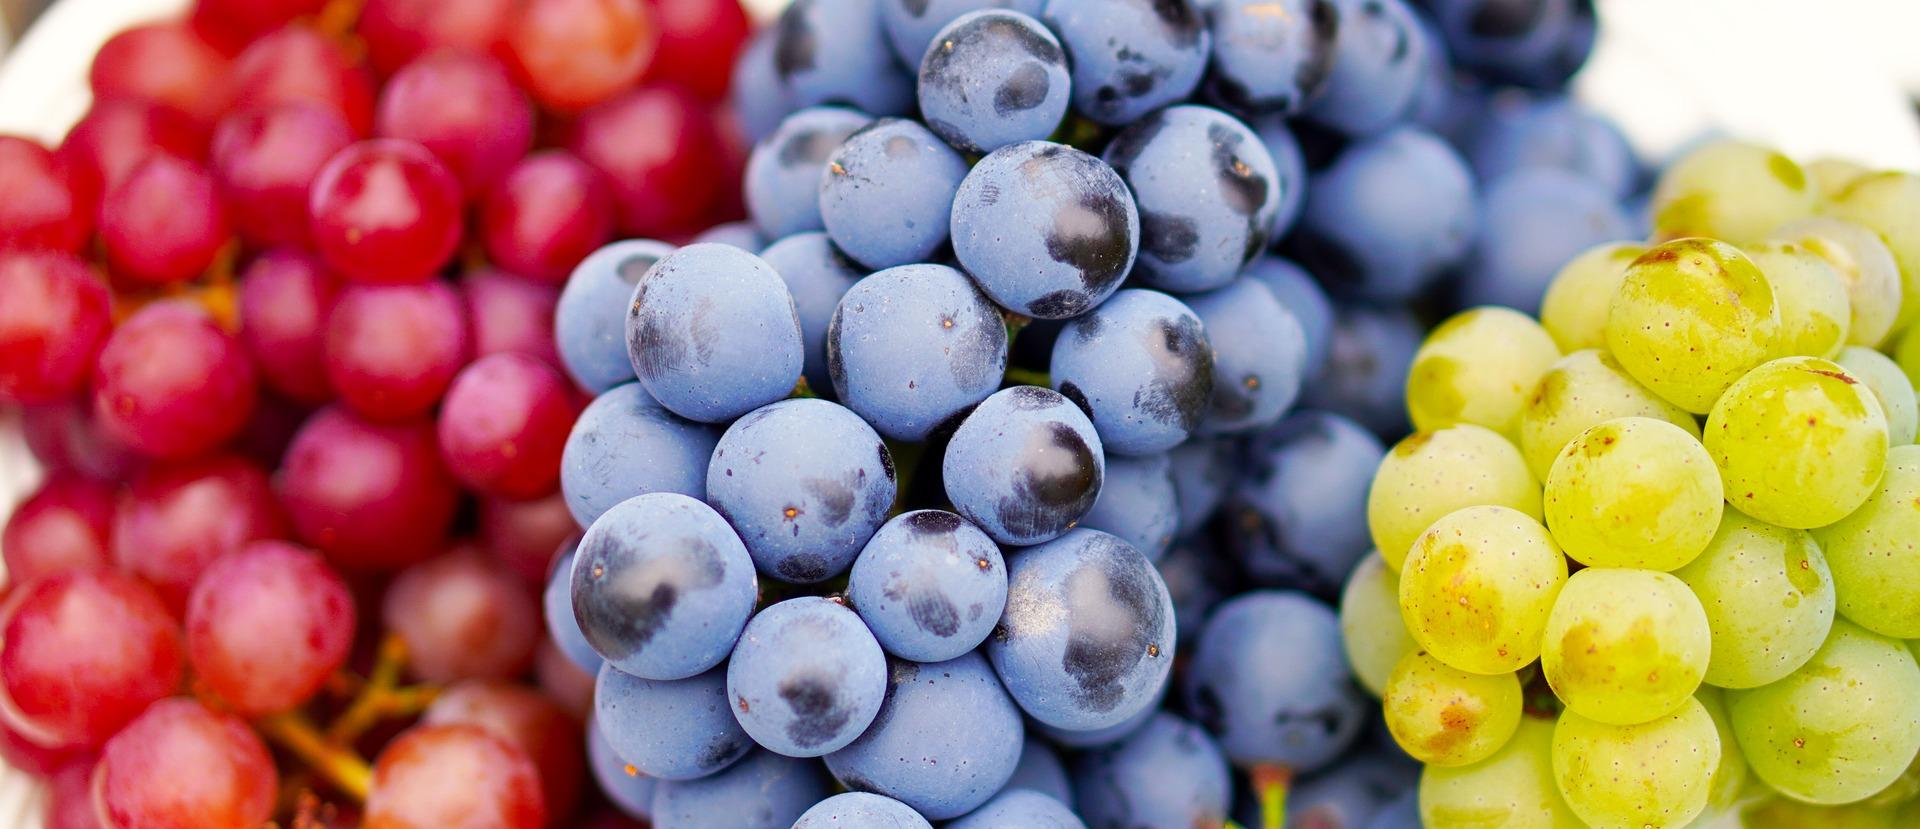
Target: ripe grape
504,424
1025,466
573,54
1378,65
1555,131
1302,295
912,349
267,625
1625,646
397,31
230,23
630,791
818,275
785,169
1371,627
1303,713
1477,587
1478,367
510,314
1799,441
1300,504
1730,190
1003,50
372,496
674,333
590,320
831,51
929,585
676,729
806,677
886,193
54,320
1814,308
163,223
117,134
1046,230
1428,475
182,766
1206,194
524,717
1583,390
1891,388
1769,600
763,791
1657,773
626,444
177,518
659,149
1259,356
1269,59
286,296
1141,365
66,524
46,208
1513,788
298,63
385,211
548,211
1168,773
463,618
448,775
1041,770
464,109
699,43
861,809
391,351
264,161
82,652
1888,203
1872,551
1575,308
1691,317
1021,807
168,63
1356,225
172,384
1444,716
941,766
1865,266
1634,492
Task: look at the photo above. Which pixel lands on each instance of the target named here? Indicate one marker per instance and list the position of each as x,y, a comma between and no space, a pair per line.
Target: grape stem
340,765
1270,784
382,696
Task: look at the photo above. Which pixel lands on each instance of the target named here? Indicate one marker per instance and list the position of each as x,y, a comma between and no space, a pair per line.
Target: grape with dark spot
1025,466
991,78
1141,366
1047,230
930,585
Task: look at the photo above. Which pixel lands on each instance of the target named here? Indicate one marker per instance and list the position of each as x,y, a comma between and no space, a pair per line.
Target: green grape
1730,775
1583,390
1370,625
1574,311
1839,729
1889,204
1890,386
1831,176
1690,318
1653,774
1513,789
1443,716
1865,267
1430,474
1634,492
1875,552
1814,309
1787,813
1729,190
1477,588
1768,597
1625,646
1478,367
1799,442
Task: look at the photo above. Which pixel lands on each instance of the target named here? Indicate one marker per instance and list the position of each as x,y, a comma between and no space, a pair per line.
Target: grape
1357,232
1478,367
1299,294
662,586
1207,193
1891,388
1841,727
54,320
1040,769
917,753
1769,600
1025,466
817,275
510,314
524,717
1130,58
1658,773
806,677
117,134
267,625
1477,587
1581,391
1533,221
1142,367
69,803
1887,203
266,159
180,765
285,298
1204,471
785,171
1444,716
230,23
1634,492
1430,474
572,54
1259,356
1379,61
1300,504
396,31
172,384
391,351
548,211
1006,51
371,496
1365,375
1137,503
1730,776
626,444
630,791
81,653
556,606
679,729
504,424
449,774
464,109
462,618
1169,773
385,211
1371,627
1830,176
1272,58
46,207
68,436
1625,646
1871,552
65,524
886,193
590,321
1729,190
1021,809
1537,44
1574,310
1690,318
1046,230
929,585
1865,266
713,334
911,349
834,51
699,40
1302,713
1782,472
1553,131
1513,788
1814,308
1092,738
869,811
298,63
659,148
163,223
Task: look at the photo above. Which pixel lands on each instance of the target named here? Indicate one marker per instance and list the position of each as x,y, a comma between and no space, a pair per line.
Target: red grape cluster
276,317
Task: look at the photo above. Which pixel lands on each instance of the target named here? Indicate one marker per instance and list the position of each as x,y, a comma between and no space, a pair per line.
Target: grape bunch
1649,559
276,320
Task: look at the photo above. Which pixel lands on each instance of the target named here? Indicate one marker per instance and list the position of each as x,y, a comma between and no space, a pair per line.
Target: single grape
590,320
171,384
1025,466
397,31
1625,646
1799,441
1357,232
285,298
1575,308
385,211
1633,492
817,275
1513,788
1730,190
1302,714
680,729
713,334
526,718
526,537
911,349
1691,317
1887,203
1006,51
1142,367
1046,230
296,62
371,496
859,809
1300,504
82,652
54,321
511,314
1585,389
1866,267
806,677
47,208
265,161
176,519
886,193
548,211
1206,191
463,618
1272,58
1769,599
1871,552
464,109
1371,626
267,626
1169,773
1300,294
763,791
1379,61
1365,375
699,40
65,524
1480,366
1259,356
929,585
626,444
784,172
391,351
117,134
1657,773
182,766
1138,503
1431,474
1130,58
164,223
759,97
1444,716
630,791
1534,44
1041,770
834,51
498,785
1891,388
504,424
572,54
556,606
1814,308
662,152
1532,221
1477,588
941,766
1730,776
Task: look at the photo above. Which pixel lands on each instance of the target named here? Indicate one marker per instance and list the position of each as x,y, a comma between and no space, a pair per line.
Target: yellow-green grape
1865,267
1787,813
1875,552
1634,492
1430,474
1370,625
1730,776
1889,204
1653,774
1443,716
1768,596
1574,311
1513,789
1478,367
1890,385
1839,729
1477,588
1625,646
1799,442
1814,309
1692,316
1583,390
1830,176
1729,190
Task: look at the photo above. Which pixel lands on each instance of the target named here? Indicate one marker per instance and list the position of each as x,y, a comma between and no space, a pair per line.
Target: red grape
397,31
463,618
297,63
81,653
462,107
573,54
548,212
181,766
38,760
562,679
167,63
43,209
53,321
267,625
67,524
658,147
372,496
505,421
234,22
266,161
164,223
117,134
70,797
391,350
285,297
177,518
446,776
549,736
510,314
66,435
171,384
385,211
523,535
699,41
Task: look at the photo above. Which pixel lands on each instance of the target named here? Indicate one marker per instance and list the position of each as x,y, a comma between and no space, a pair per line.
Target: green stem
1028,377
1271,783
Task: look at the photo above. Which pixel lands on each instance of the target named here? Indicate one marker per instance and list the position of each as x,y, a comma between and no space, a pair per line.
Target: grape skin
1891,387
1574,311
1478,586
1814,309
1625,646
1655,774
1888,203
1692,317
1729,190
1583,390
1513,789
1866,269
1371,627
1634,492
1799,442
1730,776
1430,474
1444,716
1768,596
1873,552
1478,367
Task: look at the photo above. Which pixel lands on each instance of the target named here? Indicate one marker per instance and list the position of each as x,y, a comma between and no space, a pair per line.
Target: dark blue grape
1040,769
1379,65
807,677
859,810
1203,471
1142,368
744,235
679,729
1537,43
1167,774
1300,711
662,586
1300,509
1207,190
1272,55
1259,356
1130,57
630,791
713,334
1355,792
1554,131
817,275
1024,466
1021,809
762,791
1365,377
1047,230
590,321
625,444
556,604
1007,54
1531,223
911,24
886,193
913,347
1138,503
834,52
782,180
946,739
930,585
1305,299
1290,172
1364,236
